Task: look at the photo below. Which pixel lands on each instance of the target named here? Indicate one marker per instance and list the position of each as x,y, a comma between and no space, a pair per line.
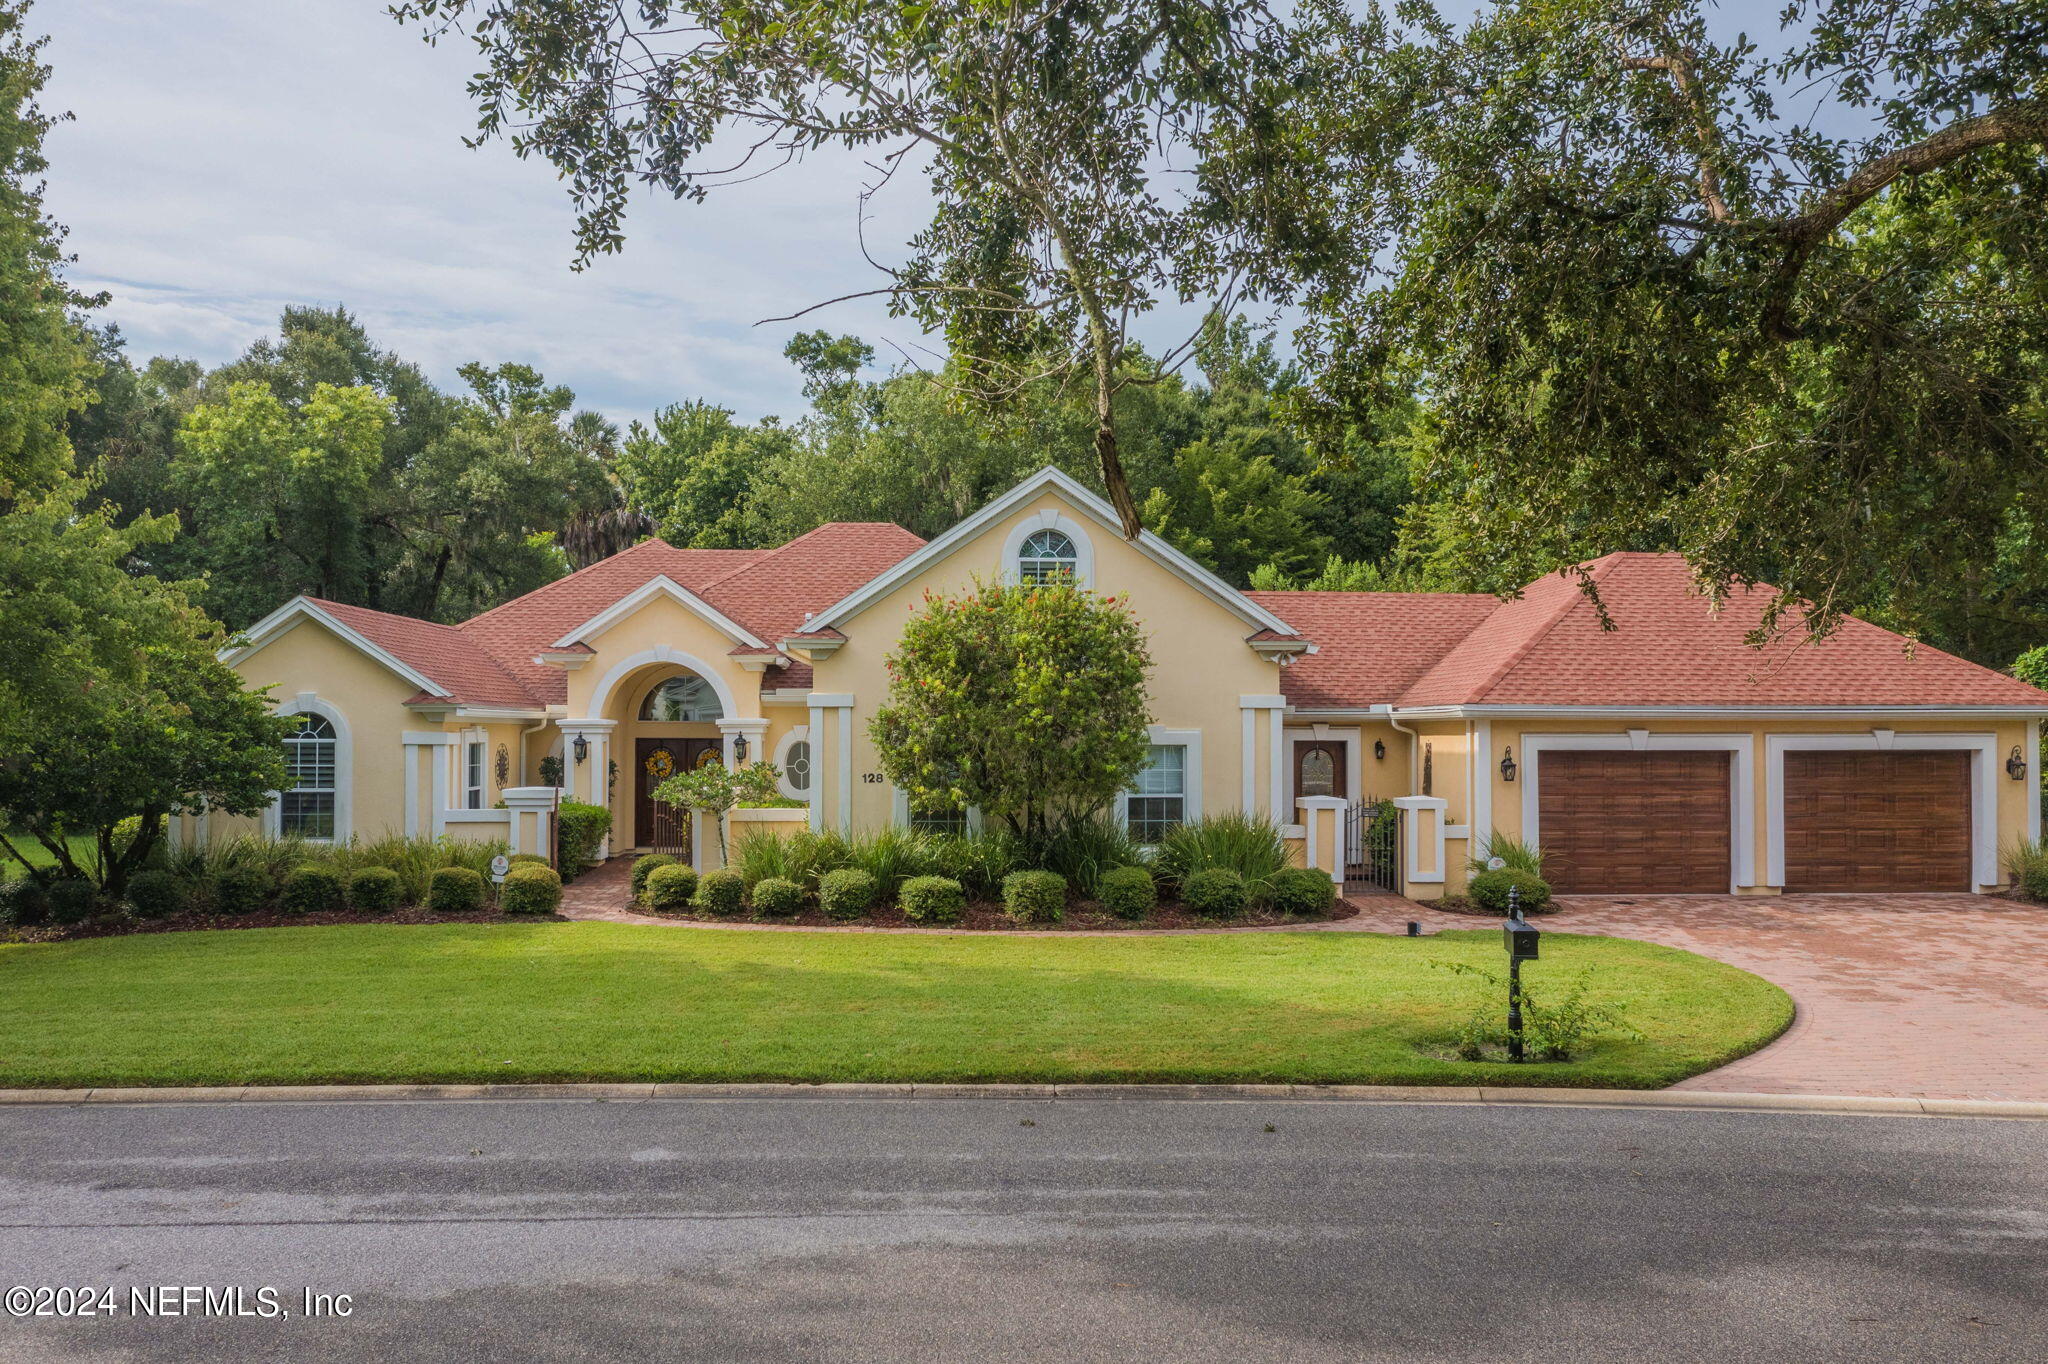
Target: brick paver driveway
1924,996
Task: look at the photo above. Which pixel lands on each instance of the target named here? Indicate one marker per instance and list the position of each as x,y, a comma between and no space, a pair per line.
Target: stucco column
594,781
751,729
1322,818
841,766
432,745
1273,803
1422,835
529,807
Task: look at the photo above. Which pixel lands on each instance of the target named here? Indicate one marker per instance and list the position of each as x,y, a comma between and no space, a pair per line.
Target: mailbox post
1520,938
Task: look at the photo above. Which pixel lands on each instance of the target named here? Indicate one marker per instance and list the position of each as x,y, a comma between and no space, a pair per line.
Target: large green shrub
1249,845
310,888
777,897
530,889
758,855
24,901
240,889
579,832
375,890
154,893
1216,893
1128,892
1035,897
644,867
722,892
846,893
1489,890
933,900
456,890
73,900
1303,890
671,887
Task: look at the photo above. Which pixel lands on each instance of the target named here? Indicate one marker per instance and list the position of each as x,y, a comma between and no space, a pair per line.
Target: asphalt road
979,1230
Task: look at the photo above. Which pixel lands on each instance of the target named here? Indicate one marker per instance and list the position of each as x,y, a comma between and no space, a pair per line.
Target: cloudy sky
230,157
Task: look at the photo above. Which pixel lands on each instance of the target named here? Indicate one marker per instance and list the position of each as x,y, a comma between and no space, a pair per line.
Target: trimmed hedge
1303,890
933,900
1129,892
722,892
24,901
73,900
1216,894
535,858
375,890
240,890
455,890
310,888
529,889
671,887
846,893
1489,890
644,867
156,894
778,897
1035,897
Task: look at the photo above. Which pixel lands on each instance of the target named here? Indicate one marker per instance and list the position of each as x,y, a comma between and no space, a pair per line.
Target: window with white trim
685,699
796,769
473,774
1048,556
939,821
1158,801
305,807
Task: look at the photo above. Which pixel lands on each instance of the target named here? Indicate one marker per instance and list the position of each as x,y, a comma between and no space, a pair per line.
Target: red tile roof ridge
652,540
767,554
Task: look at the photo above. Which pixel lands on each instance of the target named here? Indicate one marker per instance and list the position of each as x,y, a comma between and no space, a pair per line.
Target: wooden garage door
1877,821
1612,823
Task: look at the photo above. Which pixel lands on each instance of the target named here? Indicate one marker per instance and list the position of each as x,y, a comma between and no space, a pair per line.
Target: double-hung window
305,808
1159,799
473,774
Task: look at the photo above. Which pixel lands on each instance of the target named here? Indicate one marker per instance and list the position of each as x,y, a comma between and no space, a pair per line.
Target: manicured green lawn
586,1001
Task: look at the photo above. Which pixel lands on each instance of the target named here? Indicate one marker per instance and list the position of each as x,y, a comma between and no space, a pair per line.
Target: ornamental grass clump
892,856
375,890
530,889
671,887
722,892
456,890
1035,897
978,860
1128,892
846,893
777,897
1084,851
1247,845
933,900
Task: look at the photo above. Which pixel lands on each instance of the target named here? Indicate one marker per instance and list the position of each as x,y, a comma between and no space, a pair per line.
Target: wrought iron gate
1372,844
670,826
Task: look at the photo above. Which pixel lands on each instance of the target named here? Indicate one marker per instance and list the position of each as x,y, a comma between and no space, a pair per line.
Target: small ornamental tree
715,788
1027,702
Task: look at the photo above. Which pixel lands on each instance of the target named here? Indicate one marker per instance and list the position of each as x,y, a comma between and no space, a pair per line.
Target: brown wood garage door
1613,823
1877,821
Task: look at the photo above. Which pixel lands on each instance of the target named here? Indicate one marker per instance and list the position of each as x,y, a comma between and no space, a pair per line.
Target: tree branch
1679,67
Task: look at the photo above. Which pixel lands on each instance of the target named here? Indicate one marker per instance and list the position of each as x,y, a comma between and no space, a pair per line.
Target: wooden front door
654,761
1877,821
1648,823
1319,768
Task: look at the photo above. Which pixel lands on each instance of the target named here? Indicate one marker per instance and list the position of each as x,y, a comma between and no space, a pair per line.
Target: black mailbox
1520,936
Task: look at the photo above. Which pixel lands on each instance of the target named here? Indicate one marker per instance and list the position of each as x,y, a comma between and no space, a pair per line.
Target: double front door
655,825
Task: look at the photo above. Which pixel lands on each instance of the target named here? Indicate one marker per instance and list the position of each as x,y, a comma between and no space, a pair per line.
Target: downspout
1414,747
545,722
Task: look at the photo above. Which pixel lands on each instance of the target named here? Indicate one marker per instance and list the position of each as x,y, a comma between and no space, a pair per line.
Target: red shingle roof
452,659
1370,646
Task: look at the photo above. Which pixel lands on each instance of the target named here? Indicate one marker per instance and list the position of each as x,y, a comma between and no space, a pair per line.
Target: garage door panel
1877,821
1618,822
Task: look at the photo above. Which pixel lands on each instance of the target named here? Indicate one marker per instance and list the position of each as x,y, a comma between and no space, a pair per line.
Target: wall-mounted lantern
2016,765
739,750
1507,764
1379,749
581,748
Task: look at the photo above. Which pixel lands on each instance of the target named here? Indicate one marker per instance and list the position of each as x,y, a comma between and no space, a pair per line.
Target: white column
1479,804
1276,772
817,767
1276,799
749,728
842,703
1249,760
2034,780
1323,818
529,807
434,745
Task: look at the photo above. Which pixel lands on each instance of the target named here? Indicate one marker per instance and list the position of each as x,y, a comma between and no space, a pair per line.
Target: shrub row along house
1665,754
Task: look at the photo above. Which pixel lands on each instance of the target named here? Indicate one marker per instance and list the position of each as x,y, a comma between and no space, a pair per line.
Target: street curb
1365,1094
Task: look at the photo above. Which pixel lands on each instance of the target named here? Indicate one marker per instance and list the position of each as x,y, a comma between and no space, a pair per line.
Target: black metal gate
1372,844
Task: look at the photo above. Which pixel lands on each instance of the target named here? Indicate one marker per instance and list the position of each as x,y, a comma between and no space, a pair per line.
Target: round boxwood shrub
1303,890
528,889
1489,890
670,886
846,893
535,858
455,890
240,890
1035,897
73,900
723,893
644,867
777,897
24,901
155,894
933,900
375,890
310,888
1215,894
1129,892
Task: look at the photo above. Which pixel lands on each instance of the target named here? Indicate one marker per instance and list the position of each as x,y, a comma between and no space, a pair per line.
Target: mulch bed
988,916
122,925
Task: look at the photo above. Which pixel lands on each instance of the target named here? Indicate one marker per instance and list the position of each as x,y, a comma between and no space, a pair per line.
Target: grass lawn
588,1001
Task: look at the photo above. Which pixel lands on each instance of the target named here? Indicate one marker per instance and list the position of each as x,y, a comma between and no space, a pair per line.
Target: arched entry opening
667,721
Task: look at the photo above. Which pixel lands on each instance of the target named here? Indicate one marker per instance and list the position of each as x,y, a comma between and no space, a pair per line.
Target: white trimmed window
683,699
940,821
1048,556
473,774
305,808
1158,801
796,770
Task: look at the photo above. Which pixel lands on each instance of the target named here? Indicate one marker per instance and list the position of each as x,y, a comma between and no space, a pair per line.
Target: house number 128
871,778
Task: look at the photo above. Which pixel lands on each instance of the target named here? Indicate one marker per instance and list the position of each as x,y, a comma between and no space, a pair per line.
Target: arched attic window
689,699
1048,556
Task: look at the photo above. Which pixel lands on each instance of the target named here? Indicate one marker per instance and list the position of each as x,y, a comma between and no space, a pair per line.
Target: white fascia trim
785,696
273,626
1714,712
1984,774
480,712
1082,500
1741,780
661,585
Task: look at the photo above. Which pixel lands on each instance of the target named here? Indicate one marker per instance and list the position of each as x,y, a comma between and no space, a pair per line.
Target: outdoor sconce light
1379,749
1507,764
582,749
1521,938
2016,766
739,750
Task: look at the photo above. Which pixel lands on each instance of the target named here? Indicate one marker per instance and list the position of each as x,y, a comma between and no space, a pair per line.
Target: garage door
1613,823
1877,821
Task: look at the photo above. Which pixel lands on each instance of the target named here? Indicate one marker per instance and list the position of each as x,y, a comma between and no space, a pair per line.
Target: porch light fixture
739,750
1379,749
1507,764
582,749
2016,765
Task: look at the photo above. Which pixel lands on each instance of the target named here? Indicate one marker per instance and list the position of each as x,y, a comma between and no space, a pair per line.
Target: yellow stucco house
1665,755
